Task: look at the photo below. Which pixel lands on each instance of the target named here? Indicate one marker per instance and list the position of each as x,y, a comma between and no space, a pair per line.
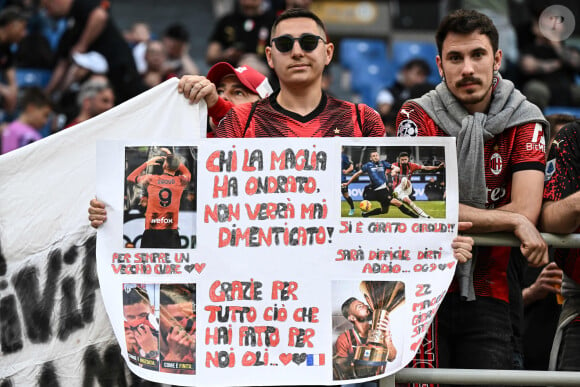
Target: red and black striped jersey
515,149
562,180
332,117
406,170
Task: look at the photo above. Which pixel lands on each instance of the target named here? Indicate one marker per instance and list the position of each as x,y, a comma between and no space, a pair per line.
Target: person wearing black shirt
91,28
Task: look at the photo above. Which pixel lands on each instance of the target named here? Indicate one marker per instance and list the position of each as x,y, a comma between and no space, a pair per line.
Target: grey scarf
508,108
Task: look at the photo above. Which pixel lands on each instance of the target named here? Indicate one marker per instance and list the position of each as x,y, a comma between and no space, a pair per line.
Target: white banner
53,325
261,298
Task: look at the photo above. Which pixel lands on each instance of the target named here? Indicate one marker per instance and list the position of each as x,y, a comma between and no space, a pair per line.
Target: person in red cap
225,87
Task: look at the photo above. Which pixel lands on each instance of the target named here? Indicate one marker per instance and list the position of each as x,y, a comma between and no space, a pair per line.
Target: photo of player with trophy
365,346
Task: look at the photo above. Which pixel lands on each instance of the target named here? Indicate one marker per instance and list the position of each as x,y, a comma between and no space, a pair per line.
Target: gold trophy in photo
383,297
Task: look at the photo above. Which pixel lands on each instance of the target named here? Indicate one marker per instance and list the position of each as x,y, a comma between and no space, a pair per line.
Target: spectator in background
556,122
92,29
549,66
298,4
245,31
280,6
137,38
12,30
433,190
176,42
155,64
561,215
542,286
35,111
95,97
225,87
541,312
413,73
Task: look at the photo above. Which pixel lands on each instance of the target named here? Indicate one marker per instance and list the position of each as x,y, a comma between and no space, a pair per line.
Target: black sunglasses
308,42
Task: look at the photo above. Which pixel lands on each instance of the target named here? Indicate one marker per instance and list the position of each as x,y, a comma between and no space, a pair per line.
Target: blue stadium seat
353,51
29,77
368,78
574,111
403,51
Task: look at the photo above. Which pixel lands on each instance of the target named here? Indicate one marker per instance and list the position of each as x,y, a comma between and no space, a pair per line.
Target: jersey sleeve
563,162
372,123
185,176
134,177
529,151
412,121
233,124
415,167
218,111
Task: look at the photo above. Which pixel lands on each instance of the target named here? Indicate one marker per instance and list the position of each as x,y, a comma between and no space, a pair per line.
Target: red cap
248,76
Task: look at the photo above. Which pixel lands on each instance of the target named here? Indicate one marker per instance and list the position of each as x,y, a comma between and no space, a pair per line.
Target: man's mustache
468,80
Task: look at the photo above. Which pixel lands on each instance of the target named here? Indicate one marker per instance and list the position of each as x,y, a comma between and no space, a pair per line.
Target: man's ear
497,58
439,66
329,53
268,52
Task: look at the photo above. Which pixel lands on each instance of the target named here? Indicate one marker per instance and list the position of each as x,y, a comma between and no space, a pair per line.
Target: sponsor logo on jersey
550,169
495,195
407,128
538,141
407,112
496,164
161,220
557,143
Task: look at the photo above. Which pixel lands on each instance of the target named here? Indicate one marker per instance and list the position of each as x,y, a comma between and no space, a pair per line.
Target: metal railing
494,377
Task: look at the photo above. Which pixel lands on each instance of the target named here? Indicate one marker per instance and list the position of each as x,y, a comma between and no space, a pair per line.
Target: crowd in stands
38,35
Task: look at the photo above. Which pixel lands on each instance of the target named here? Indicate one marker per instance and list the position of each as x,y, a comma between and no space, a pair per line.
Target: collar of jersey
295,116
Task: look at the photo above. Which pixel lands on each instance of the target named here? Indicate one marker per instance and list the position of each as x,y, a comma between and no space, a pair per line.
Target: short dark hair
403,154
463,21
294,13
34,96
345,309
173,162
11,14
135,295
559,119
420,63
178,32
171,294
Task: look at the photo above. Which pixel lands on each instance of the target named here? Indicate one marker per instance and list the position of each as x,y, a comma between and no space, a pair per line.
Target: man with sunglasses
298,53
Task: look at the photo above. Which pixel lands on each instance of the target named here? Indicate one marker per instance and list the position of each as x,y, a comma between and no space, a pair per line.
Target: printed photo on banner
160,200
140,311
393,182
362,327
177,317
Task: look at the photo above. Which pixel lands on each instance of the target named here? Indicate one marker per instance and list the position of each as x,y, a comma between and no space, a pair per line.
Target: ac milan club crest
496,164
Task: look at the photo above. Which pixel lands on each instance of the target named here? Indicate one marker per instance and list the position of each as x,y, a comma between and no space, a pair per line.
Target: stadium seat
403,51
574,111
368,78
353,51
29,77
